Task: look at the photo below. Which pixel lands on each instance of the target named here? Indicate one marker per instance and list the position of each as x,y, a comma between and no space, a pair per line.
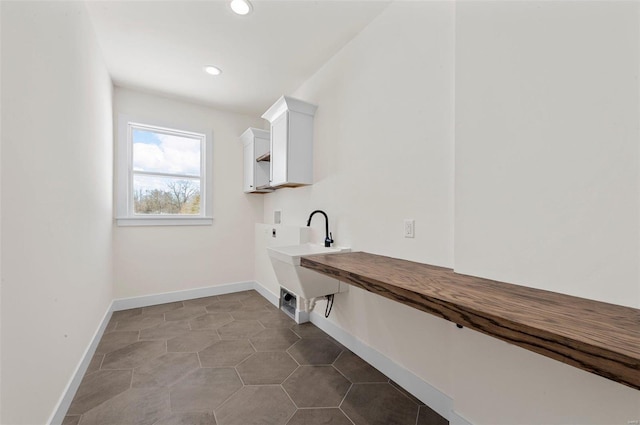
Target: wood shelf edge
573,345
266,157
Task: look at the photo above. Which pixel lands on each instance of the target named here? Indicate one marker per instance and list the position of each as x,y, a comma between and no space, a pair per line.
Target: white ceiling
162,46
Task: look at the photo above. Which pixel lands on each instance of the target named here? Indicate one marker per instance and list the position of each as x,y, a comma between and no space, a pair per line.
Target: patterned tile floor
232,360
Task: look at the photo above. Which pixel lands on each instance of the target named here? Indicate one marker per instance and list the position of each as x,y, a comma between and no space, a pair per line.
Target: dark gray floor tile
235,296
274,339
308,330
162,308
378,404
427,416
224,306
71,420
315,351
260,313
133,355
357,370
210,321
204,389
164,370
254,303
111,326
342,347
116,340
99,387
271,308
316,386
181,362
166,330
136,406
188,418
140,322
126,314
319,417
192,341
255,294
241,329
200,302
184,313
225,353
261,405
406,393
95,363
266,368
277,320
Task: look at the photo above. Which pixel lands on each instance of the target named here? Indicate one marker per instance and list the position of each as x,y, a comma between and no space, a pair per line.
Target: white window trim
124,184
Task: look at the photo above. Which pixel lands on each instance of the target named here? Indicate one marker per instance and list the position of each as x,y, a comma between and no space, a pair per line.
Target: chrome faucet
328,240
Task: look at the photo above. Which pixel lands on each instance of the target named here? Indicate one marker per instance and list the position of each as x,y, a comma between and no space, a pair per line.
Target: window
162,176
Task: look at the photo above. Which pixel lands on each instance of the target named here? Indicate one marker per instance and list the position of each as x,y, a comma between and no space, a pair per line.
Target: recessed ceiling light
213,70
241,7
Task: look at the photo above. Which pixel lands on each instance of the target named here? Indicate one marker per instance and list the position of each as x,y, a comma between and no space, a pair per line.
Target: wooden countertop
594,336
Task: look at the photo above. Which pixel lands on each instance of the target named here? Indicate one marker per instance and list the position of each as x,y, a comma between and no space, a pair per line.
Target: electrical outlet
409,228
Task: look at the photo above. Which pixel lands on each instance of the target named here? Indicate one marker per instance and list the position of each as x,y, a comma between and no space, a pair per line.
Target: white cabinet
291,142
256,160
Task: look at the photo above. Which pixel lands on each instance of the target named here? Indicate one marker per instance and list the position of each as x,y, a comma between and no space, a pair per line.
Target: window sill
164,221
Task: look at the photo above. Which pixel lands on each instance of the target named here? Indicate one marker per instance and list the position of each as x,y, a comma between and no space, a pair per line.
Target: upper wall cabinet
256,160
291,142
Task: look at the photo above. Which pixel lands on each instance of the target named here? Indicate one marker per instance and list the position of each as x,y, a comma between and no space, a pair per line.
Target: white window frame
125,215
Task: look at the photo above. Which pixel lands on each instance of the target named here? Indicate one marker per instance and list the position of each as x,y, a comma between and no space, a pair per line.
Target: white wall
0,216
547,146
56,201
152,260
384,151
546,187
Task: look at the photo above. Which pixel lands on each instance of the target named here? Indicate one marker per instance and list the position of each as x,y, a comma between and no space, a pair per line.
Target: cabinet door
279,149
249,164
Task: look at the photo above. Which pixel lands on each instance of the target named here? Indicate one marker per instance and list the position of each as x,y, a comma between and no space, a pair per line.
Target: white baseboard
67,396
428,394
143,301
456,419
302,316
270,296
187,294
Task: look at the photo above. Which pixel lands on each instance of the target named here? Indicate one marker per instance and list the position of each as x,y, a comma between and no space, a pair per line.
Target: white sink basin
305,283
291,254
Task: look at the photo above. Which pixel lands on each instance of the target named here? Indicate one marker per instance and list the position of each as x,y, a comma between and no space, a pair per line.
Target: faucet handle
329,240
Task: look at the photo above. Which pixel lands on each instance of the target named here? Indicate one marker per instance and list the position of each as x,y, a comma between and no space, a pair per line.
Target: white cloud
172,154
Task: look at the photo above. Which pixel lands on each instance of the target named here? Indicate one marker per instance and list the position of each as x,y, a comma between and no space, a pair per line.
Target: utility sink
303,282
291,254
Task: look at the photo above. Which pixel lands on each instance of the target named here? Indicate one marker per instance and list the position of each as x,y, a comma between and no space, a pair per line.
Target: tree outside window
166,171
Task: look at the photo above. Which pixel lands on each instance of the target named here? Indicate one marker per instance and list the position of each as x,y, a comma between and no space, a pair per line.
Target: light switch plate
409,228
